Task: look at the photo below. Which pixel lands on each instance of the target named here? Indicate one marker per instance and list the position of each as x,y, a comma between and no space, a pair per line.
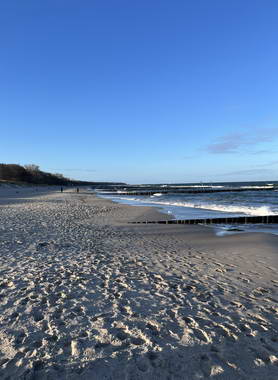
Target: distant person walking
77,190
62,189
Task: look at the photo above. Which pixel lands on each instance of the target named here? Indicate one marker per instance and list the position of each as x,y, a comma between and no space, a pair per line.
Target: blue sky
141,91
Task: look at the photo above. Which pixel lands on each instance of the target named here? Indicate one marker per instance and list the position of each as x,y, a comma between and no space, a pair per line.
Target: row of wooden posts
267,219
189,191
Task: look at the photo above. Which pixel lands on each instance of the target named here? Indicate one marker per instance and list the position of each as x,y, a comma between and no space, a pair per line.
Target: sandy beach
86,295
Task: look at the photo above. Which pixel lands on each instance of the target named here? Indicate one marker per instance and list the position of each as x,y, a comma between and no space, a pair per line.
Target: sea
258,199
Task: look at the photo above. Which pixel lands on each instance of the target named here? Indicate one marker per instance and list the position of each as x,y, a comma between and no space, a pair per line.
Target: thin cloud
267,164
234,143
259,169
257,152
228,146
247,172
188,157
273,163
263,152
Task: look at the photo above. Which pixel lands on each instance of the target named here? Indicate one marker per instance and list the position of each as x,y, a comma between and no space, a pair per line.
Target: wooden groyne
268,219
187,191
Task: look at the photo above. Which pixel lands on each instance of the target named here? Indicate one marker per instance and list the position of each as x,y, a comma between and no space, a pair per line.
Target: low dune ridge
86,295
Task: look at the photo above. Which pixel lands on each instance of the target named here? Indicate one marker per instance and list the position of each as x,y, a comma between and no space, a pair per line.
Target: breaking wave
236,209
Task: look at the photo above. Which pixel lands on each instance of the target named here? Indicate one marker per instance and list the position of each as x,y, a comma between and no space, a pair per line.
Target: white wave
130,199
157,195
257,187
236,209
198,186
103,192
247,210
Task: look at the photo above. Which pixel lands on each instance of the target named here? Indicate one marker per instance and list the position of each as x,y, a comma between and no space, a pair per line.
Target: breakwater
267,219
186,191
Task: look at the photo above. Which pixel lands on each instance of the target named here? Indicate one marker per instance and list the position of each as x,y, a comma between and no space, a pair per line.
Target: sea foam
236,209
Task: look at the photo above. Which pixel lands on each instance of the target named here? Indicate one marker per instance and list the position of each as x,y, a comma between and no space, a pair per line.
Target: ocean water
259,201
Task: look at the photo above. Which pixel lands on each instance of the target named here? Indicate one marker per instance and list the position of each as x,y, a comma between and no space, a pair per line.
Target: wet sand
84,294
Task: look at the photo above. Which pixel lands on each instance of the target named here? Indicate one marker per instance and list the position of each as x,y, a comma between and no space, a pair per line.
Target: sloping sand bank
85,295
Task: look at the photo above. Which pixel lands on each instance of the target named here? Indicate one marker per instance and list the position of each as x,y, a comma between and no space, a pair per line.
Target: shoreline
219,229
84,294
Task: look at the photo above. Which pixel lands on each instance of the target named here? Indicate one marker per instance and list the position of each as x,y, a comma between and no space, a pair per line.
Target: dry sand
85,295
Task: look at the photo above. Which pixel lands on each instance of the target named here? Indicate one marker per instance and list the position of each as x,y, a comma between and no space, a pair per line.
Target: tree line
33,175
30,174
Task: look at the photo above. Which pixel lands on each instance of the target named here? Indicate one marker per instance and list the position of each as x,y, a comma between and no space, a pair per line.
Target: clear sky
141,91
